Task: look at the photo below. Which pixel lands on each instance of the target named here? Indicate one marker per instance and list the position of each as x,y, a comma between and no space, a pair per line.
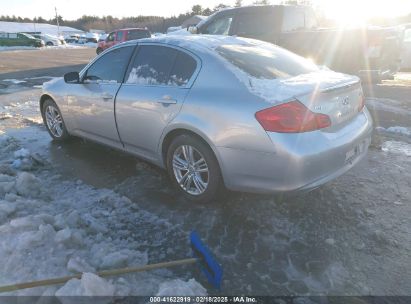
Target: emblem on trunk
346,101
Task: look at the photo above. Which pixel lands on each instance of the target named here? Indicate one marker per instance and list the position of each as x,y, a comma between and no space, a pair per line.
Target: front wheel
54,121
194,169
99,50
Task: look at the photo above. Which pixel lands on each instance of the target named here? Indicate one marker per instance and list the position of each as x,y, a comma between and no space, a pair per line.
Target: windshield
265,61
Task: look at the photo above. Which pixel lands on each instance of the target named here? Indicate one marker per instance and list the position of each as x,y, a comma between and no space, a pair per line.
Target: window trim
188,85
83,72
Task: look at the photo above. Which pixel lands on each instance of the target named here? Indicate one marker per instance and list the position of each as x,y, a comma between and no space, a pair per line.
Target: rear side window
183,69
119,36
254,24
111,66
160,65
137,34
266,61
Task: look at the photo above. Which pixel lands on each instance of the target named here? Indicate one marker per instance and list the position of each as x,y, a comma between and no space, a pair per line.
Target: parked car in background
373,53
102,37
74,38
49,40
122,35
19,39
215,111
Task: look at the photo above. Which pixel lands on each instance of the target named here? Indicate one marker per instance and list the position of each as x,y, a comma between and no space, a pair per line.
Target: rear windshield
265,61
138,34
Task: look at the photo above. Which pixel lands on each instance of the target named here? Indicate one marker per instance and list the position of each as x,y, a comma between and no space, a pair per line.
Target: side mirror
193,29
72,77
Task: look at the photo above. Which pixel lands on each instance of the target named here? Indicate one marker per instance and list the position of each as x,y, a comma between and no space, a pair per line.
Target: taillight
362,103
291,117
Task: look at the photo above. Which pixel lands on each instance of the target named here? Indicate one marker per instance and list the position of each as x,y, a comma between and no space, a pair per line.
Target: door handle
167,99
106,96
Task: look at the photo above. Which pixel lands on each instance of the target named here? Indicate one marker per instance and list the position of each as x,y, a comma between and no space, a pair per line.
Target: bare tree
238,3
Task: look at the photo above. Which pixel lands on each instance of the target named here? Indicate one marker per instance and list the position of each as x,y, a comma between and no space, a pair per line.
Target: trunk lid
334,94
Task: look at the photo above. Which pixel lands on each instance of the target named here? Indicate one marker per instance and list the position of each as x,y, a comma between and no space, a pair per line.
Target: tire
53,120
50,43
200,186
99,50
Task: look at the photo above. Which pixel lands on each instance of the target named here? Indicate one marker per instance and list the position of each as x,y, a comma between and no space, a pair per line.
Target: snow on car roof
203,42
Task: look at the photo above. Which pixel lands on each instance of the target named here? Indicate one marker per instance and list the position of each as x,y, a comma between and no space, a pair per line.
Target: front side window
266,62
111,66
220,26
160,65
110,37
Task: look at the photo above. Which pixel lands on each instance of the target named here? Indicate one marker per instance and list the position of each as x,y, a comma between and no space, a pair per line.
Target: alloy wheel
190,169
54,121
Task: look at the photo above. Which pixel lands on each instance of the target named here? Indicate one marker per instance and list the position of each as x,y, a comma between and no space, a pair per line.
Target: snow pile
17,48
399,130
51,227
89,285
397,147
14,81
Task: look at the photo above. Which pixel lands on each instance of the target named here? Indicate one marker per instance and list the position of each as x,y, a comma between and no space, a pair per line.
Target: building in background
39,28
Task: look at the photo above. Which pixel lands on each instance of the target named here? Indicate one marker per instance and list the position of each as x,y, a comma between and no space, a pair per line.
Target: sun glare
351,13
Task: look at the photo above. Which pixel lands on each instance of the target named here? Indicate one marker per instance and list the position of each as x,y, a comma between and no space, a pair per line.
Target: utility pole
58,25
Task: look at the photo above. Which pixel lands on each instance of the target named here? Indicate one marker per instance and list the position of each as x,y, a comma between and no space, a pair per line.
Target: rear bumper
299,162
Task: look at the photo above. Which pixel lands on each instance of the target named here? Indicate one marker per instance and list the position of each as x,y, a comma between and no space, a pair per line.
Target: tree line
160,24
109,23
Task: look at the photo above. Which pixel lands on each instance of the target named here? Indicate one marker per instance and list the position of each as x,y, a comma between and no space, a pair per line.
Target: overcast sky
72,9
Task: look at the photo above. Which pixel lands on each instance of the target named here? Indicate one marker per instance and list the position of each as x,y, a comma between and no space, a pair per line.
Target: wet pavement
351,236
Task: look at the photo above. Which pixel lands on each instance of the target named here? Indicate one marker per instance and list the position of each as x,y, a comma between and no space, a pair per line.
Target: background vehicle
72,38
19,39
122,35
49,40
216,111
372,53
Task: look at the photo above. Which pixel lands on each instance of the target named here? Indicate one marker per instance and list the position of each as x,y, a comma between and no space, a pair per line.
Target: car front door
91,102
110,40
155,86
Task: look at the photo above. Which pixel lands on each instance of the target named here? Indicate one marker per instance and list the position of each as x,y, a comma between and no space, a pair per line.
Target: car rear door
156,84
91,102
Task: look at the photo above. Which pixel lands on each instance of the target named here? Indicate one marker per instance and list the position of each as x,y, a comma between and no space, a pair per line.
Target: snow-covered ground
52,227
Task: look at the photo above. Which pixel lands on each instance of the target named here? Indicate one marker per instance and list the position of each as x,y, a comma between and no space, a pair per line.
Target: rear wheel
53,121
193,169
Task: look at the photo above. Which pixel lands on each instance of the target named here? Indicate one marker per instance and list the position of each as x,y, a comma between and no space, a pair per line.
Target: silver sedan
216,112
